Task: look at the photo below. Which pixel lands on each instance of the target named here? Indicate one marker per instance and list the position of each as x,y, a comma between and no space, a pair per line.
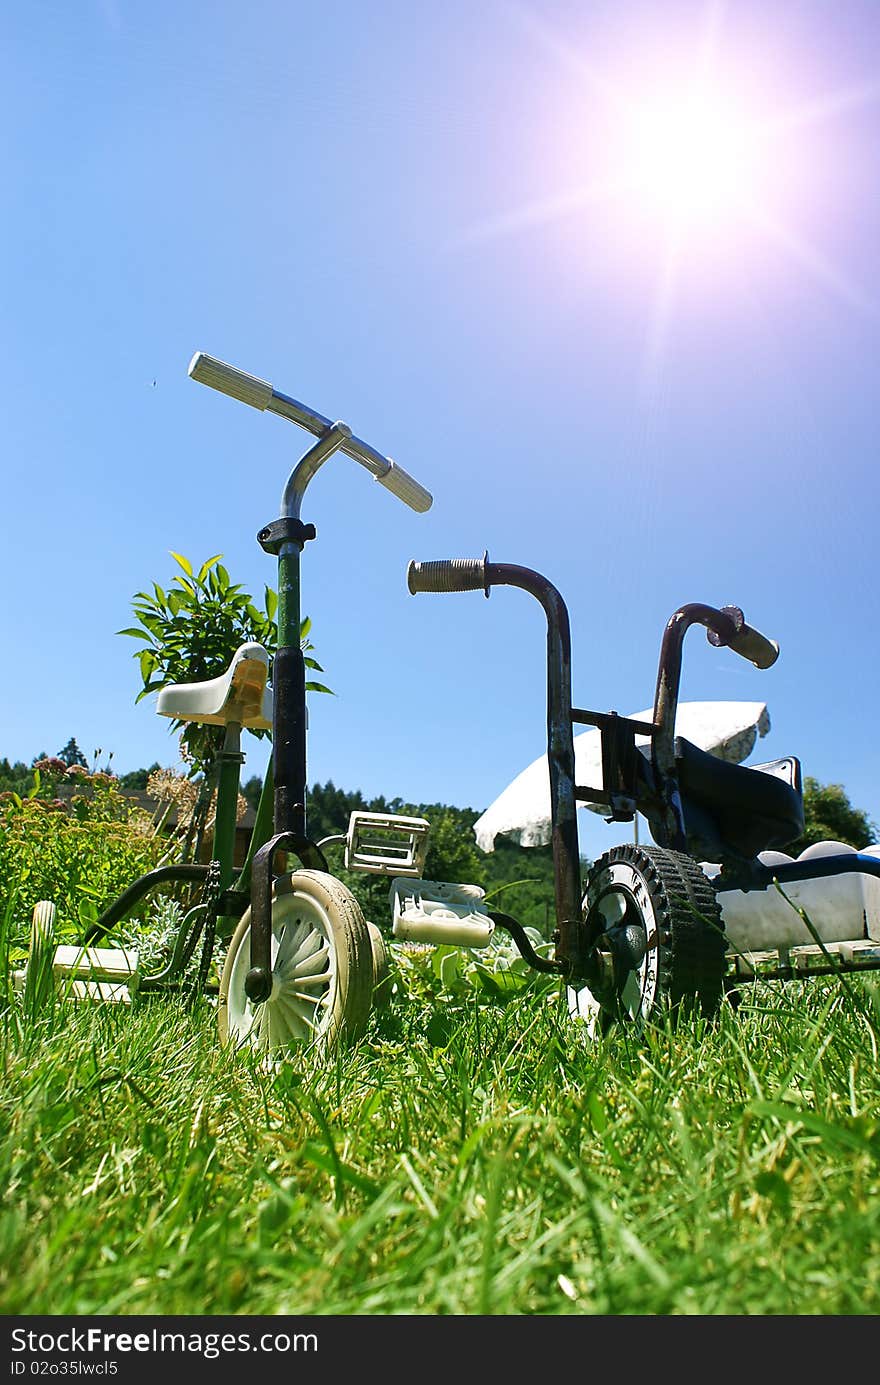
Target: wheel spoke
320,978
296,1016
310,953
264,1026
308,998
631,994
288,942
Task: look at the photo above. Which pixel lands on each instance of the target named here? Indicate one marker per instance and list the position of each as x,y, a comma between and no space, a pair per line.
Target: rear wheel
322,970
39,975
656,924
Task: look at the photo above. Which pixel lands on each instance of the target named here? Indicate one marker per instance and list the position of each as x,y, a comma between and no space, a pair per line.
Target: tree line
519,880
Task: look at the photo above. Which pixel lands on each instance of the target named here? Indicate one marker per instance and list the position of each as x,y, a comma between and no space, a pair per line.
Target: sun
692,160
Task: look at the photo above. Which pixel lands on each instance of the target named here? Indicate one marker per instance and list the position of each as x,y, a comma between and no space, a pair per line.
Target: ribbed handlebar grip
748,642
406,488
229,380
447,575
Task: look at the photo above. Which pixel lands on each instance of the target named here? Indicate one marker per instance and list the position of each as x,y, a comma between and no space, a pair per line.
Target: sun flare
685,154
691,159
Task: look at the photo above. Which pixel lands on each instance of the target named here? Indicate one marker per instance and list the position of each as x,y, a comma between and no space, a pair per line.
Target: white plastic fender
841,908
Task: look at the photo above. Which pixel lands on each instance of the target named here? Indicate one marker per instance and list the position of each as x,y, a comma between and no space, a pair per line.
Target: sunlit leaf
150,688
207,565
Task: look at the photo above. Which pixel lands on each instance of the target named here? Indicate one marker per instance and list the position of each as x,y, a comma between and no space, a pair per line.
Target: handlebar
448,575
726,626
744,640
228,379
404,486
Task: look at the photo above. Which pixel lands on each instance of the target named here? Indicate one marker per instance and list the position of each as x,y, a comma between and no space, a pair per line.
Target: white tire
322,970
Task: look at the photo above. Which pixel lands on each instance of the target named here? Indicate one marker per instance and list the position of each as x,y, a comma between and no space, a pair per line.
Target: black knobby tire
699,965
663,900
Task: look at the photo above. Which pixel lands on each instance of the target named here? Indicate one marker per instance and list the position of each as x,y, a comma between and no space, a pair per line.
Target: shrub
80,852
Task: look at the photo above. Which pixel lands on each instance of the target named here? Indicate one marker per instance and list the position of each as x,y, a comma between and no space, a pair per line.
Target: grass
470,1159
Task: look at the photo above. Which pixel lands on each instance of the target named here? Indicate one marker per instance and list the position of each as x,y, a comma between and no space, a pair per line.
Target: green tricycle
302,965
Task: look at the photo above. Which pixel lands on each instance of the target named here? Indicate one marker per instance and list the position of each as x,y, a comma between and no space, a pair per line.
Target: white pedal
95,973
105,991
89,973
386,844
95,963
435,911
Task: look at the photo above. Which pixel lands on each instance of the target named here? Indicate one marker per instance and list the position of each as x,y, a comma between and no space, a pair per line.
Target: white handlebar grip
406,488
228,380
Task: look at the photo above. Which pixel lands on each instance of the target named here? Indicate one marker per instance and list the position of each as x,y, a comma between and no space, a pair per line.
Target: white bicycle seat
240,694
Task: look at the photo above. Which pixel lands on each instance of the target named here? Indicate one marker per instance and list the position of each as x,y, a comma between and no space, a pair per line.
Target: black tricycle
674,925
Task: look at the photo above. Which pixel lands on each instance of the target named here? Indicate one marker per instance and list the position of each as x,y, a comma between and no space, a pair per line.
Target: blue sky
426,221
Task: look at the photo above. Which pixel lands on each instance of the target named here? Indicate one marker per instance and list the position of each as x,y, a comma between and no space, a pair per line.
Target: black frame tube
135,892
521,938
289,740
560,754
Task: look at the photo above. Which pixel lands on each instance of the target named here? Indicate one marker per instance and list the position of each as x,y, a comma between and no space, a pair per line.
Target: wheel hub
628,946
618,952
258,986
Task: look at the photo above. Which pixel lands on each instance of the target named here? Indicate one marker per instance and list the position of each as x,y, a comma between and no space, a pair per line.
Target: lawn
467,1157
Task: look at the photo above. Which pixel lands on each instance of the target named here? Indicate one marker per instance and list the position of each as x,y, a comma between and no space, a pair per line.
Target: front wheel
654,923
322,970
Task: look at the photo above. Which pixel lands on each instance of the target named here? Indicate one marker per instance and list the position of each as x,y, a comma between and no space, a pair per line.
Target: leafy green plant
830,816
497,972
190,631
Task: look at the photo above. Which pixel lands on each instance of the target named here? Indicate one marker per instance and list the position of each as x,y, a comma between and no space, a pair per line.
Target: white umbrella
522,812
